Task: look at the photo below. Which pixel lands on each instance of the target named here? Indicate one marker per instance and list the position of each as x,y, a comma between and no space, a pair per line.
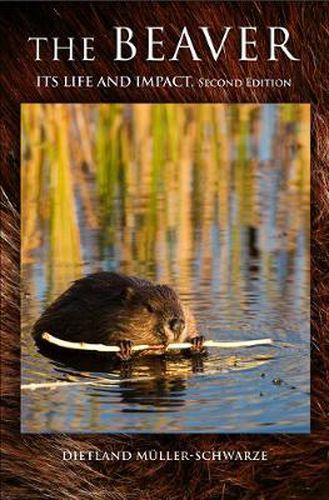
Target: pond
210,199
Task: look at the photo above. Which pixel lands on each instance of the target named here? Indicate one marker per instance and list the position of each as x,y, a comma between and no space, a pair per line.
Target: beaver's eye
149,308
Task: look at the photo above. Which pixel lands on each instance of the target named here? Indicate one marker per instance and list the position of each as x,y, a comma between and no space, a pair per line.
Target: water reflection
212,199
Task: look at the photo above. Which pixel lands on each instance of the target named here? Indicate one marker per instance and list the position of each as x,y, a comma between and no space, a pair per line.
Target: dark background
297,465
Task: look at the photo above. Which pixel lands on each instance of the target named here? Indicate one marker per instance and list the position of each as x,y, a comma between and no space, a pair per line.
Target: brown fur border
297,465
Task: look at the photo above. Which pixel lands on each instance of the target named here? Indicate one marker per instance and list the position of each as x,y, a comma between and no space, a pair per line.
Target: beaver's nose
177,326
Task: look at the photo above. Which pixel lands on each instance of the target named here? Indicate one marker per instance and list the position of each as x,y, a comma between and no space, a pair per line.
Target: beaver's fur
297,465
109,308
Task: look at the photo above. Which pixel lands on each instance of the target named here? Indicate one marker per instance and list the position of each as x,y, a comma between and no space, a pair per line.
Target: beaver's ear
127,293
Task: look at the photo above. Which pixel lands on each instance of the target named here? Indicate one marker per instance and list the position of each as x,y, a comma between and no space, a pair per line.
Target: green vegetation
153,181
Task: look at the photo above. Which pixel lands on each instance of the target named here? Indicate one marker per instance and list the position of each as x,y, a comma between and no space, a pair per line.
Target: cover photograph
164,250
138,237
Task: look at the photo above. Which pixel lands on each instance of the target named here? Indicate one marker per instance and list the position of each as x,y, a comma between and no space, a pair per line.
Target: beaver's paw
197,345
125,352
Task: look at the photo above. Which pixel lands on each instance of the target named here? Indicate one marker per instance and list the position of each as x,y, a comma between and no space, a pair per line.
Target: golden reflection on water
153,183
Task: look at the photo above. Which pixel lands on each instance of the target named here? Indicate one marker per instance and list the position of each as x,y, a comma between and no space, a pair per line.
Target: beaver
114,309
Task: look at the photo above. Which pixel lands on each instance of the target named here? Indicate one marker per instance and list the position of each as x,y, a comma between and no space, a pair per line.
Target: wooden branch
100,382
83,346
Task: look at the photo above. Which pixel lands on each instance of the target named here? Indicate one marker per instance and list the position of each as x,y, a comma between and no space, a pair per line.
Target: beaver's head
158,311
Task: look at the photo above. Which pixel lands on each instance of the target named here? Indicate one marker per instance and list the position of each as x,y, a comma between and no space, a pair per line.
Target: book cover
164,250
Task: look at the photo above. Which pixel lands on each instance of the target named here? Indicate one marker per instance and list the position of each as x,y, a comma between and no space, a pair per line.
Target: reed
150,184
